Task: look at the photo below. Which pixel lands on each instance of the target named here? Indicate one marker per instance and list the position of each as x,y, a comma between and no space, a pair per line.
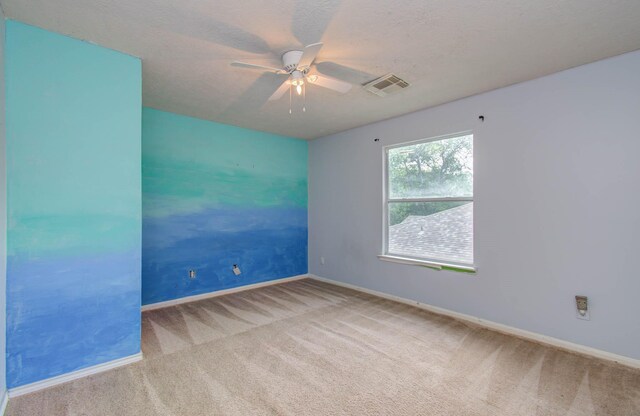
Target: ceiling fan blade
262,67
328,82
308,55
280,91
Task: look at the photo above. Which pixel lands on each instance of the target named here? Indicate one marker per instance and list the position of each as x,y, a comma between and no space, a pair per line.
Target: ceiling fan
296,65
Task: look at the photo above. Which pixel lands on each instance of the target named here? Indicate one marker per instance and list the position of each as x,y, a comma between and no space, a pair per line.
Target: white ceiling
445,49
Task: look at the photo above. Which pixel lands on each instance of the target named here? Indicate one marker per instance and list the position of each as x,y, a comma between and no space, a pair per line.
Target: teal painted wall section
3,216
74,204
216,195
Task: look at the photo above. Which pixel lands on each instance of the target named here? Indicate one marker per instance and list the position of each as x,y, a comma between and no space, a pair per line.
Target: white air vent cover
386,85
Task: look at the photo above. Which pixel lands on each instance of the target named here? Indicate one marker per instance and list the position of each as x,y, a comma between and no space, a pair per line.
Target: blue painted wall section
74,205
216,195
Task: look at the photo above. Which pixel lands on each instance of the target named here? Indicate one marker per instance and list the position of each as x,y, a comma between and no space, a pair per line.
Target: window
429,201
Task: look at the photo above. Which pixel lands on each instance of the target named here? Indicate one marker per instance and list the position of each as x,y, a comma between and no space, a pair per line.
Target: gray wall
3,217
557,207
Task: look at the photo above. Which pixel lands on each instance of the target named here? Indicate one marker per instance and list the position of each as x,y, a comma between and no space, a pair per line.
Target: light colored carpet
310,348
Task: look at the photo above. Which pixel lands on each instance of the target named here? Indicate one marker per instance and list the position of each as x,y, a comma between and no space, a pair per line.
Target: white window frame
402,258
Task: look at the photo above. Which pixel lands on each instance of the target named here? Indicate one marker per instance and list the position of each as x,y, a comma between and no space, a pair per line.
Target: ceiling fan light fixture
296,65
297,80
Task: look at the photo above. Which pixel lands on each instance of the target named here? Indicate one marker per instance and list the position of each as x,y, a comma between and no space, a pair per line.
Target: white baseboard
64,378
505,329
3,405
217,293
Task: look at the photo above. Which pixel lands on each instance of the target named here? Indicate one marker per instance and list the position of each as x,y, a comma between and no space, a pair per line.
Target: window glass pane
432,230
441,168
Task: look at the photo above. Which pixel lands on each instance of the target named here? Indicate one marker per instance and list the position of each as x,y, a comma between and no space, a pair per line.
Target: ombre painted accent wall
3,217
74,204
216,195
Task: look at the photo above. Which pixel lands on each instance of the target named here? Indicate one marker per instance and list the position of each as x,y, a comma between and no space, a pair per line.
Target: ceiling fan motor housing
290,60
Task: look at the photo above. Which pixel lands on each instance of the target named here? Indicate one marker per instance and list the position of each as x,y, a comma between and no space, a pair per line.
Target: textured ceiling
445,49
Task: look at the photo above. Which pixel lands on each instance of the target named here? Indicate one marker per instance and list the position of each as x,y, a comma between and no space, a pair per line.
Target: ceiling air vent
386,85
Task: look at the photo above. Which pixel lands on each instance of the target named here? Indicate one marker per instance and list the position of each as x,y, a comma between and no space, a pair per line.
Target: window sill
430,264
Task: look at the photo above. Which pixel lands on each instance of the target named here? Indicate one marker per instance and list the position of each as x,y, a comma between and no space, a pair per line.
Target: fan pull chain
304,97
290,88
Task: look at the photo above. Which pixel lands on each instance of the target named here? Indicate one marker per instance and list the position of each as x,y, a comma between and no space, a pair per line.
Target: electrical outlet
192,274
236,270
582,308
322,260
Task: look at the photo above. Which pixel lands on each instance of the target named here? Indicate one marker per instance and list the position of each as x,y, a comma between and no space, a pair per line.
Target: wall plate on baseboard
582,308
